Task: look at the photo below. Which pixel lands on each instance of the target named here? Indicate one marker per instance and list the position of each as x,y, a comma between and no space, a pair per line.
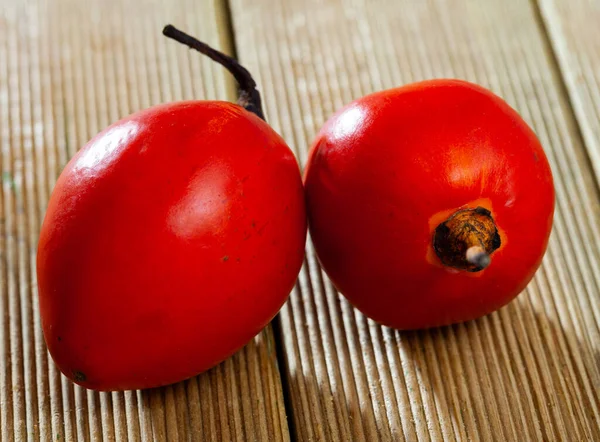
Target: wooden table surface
322,372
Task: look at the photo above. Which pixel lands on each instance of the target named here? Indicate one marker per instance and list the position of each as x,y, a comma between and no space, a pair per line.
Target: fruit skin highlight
171,239
429,204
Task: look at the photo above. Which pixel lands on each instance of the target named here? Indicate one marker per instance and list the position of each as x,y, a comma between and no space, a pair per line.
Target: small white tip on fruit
477,256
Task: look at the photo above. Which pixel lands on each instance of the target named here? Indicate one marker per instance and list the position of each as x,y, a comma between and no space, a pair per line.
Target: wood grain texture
528,372
573,30
69,68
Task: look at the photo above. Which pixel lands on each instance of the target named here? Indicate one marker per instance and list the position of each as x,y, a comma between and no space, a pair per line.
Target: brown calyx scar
467,239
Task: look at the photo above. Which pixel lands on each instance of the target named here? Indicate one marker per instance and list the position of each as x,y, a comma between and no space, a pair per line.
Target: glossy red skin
170,240
388,168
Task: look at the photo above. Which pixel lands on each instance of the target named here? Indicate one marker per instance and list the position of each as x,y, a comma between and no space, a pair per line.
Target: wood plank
573,30
527,372
68,69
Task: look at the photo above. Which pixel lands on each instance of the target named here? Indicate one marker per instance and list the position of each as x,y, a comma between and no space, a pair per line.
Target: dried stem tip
477,256
249,97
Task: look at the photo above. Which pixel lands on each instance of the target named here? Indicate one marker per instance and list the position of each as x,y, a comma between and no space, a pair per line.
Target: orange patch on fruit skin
435,220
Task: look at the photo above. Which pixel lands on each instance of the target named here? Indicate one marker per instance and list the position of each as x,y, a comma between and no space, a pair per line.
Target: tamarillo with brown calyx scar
429,204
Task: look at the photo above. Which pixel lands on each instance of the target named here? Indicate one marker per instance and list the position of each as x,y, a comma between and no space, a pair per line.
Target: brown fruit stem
467,239
249,97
